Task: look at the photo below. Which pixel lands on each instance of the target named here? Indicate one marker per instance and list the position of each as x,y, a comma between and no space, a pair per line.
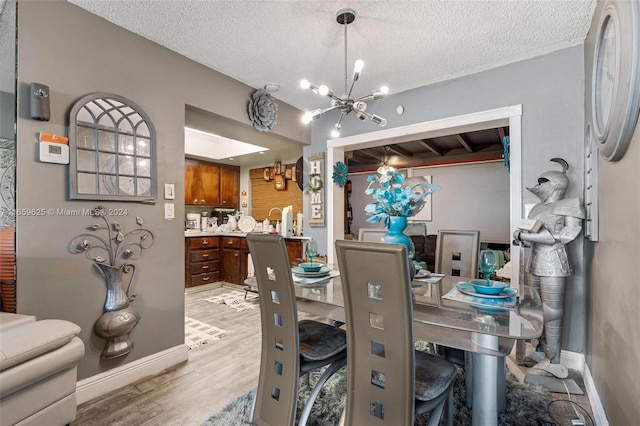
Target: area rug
198,333
233,299
526,404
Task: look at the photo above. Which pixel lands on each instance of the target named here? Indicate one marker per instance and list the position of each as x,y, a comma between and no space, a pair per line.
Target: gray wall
473,196
87,54
613,340
551,91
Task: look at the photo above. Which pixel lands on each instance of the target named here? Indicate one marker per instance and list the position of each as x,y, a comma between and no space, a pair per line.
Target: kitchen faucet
274,208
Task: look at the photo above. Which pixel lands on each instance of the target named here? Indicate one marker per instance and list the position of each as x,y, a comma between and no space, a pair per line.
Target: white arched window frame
112,150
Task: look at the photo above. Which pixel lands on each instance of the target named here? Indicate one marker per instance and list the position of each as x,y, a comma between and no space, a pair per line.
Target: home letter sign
316,189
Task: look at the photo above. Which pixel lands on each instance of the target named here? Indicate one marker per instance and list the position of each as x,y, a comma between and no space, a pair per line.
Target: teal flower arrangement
394,195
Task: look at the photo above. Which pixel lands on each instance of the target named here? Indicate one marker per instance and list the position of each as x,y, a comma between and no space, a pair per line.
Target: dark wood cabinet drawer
209,277
203,267
203,242
204,255
231,242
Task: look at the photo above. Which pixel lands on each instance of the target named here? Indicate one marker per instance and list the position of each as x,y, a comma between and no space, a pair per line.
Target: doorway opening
507,116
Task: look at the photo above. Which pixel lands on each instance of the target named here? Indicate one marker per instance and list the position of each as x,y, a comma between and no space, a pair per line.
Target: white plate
314,281
246,224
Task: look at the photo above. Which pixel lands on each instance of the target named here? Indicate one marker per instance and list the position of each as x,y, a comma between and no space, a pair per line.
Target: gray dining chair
290,348
388,381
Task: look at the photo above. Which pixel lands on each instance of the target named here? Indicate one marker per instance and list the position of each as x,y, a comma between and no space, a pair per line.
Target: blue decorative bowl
311,267
494,287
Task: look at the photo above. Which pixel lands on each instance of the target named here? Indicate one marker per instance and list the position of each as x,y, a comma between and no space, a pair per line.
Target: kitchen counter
231,234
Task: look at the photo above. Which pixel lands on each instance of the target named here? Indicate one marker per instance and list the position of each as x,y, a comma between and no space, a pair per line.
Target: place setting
485,292
310,274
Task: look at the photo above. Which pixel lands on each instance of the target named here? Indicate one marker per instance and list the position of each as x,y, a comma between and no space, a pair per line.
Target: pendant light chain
346,75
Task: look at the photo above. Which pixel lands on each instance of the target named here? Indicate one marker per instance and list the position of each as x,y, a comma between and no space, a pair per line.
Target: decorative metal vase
119,319
105,245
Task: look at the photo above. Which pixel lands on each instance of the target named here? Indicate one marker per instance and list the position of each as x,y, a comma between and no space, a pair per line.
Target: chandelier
346,103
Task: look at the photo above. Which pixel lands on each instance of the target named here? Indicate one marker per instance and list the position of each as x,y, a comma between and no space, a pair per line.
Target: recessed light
261,152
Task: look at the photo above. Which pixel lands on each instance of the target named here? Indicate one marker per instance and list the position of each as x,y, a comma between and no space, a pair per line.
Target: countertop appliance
193,221
222,213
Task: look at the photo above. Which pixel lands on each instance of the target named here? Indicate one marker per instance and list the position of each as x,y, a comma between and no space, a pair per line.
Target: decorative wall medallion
263,109
615,80
506,154
340,172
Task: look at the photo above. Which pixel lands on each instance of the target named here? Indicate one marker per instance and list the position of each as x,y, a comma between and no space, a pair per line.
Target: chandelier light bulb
358,66
307,117
384,90
379,120
336,130
323,90
305,84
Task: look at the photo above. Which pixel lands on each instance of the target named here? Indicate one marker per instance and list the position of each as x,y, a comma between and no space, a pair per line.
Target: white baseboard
572,360
576,361
107,381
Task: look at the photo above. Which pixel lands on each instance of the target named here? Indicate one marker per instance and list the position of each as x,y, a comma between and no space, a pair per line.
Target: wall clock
615,83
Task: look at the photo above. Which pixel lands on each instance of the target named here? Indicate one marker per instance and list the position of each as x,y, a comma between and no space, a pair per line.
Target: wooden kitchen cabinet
295,248
230,186
234,259
211,184
202,261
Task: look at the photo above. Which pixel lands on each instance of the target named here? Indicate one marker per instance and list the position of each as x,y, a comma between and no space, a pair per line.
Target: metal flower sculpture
118,319
263,109
340,172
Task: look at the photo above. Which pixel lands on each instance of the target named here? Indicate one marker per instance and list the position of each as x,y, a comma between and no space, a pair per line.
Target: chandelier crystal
345,104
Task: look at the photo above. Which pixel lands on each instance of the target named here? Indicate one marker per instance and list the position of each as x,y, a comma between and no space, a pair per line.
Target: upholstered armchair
38,370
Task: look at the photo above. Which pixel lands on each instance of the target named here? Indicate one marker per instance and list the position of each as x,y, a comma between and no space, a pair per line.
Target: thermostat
54,153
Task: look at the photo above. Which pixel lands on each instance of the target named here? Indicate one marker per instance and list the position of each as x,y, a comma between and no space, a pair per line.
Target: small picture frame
266,174
278,168
280,183
288,173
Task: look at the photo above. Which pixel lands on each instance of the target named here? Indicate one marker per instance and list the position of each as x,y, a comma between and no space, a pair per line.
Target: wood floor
215,374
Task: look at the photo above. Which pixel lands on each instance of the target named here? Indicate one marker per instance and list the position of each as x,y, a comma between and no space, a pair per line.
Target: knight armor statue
554,222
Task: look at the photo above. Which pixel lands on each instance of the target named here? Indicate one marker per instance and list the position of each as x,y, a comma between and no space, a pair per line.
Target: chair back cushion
379,317
276,396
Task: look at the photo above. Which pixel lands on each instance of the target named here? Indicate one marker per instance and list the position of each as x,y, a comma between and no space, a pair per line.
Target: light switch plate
169,191
169,211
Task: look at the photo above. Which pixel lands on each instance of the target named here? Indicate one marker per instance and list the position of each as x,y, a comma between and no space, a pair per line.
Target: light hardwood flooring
189,393
215,374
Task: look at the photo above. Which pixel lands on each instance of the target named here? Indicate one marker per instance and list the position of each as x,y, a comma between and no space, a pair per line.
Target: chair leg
331,369
448,413
436,413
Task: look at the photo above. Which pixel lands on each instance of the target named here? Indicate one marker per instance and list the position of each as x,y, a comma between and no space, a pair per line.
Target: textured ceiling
404,44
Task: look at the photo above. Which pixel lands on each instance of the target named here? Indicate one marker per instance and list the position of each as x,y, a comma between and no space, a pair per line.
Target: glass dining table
485,327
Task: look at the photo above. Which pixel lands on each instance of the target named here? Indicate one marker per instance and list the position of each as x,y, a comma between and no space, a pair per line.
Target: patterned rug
526,404
198,333
235,300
